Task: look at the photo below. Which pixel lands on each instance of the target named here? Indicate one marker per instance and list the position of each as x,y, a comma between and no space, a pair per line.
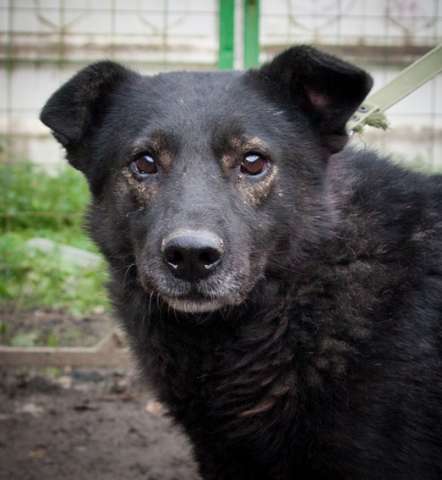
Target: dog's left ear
77,109
328,89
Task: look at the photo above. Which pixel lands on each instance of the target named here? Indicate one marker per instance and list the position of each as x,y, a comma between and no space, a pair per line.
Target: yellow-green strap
405,83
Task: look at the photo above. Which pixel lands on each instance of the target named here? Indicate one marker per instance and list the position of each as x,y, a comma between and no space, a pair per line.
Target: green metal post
251,33
226,20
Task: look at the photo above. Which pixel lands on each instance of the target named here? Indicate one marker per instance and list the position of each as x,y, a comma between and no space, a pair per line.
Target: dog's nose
192,254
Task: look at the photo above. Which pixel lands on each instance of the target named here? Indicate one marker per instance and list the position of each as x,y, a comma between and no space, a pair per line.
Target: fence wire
382,36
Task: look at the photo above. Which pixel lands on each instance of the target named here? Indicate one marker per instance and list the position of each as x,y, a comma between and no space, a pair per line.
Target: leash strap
405,83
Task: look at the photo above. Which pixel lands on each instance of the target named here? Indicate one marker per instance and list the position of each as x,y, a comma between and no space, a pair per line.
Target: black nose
192,254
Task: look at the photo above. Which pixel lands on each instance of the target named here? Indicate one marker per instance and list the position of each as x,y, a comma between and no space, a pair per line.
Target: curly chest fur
240,373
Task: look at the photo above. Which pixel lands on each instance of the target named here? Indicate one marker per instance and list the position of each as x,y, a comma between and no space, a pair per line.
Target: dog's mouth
207,295
194,303
193,298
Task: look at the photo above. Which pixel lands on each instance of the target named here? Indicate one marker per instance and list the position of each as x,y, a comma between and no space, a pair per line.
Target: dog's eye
253,164
144,165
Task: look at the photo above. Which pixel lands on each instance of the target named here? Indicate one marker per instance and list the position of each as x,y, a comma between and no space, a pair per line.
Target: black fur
324,359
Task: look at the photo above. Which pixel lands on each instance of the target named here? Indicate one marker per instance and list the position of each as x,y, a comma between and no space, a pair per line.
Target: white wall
154,35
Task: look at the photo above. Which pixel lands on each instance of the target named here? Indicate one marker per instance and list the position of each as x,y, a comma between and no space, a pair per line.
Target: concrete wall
43,43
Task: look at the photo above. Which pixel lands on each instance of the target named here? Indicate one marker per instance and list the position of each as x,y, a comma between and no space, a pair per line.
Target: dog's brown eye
253,164
145,165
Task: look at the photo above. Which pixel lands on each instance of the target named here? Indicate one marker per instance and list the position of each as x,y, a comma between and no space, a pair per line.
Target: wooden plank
109,352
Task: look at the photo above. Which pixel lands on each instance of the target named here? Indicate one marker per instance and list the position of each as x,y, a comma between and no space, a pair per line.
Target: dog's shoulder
395,202
384,252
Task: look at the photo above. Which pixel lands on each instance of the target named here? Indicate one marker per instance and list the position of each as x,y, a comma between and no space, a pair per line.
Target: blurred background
52,277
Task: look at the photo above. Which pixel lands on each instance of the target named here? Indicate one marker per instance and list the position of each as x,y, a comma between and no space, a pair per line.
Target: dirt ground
85,425
49,327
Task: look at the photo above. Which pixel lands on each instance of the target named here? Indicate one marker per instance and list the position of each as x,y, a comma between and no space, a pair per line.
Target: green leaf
27,339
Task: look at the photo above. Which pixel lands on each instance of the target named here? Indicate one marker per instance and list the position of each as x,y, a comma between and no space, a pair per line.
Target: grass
32,199
35,204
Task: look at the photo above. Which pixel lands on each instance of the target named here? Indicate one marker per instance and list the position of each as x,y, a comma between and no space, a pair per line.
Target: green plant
26,339
3,329
30,198
30,278
36,204
52,340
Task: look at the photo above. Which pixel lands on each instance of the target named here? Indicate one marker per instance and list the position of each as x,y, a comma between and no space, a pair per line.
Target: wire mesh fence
44,42
383,36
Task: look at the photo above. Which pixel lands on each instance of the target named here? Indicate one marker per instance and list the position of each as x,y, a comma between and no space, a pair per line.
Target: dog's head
205,182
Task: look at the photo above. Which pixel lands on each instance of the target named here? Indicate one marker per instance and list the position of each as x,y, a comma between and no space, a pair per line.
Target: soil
84,424
88,425
49,327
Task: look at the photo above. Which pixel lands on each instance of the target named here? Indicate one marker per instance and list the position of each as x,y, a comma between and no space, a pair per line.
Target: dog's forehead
196,85
197,110
201,95
190,103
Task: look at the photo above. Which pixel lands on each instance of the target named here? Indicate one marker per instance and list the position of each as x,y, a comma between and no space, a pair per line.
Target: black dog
284,299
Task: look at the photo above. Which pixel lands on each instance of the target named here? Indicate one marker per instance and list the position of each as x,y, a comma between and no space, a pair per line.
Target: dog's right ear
79,106
326,88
